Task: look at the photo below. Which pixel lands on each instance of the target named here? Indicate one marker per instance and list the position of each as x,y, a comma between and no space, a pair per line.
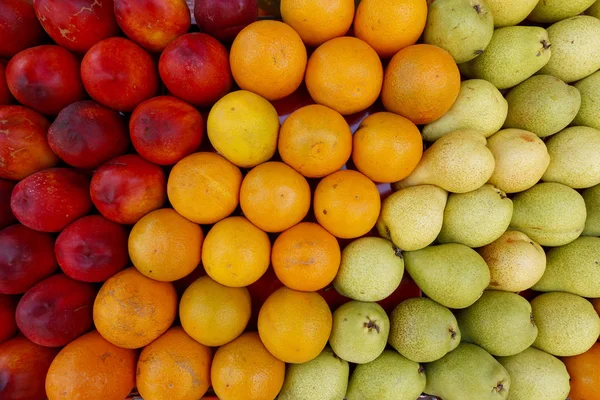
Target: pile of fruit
299,199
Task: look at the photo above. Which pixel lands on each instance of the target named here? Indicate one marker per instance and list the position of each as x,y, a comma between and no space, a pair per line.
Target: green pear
476,218
574,157
594,10
479,106
458,162
591,197
370,270
510,12
567,324
412,217
521,159
360,331
452,274
389,377
589,112
548,11
467,373
543,105
575,48
514,54
535,374
323,378
499,322
461,27
422,330
516,262
550,213
573,268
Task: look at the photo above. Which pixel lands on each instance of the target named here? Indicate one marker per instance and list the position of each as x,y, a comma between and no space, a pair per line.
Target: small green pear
594,10
479,106
548,11
422,330
389,377
567,324
412,217
521,159
514,54
591,197
323,378
575,48
536,374
510,12
589,112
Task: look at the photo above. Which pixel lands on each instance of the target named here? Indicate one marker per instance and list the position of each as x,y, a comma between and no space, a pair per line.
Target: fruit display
300,199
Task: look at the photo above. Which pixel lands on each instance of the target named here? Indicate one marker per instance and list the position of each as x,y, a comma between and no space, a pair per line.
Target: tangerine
584,370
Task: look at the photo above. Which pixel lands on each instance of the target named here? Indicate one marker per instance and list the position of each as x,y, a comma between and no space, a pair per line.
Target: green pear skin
461,27
594,10
551,214
389,377
575,48
452,274
510,12
573,268
549,11
516,262
467,373
591,197
458,162
543,105
574,157
521,159
589,112
422,330
567,324
371,269
323,378
412,217
476,218
479,106
360,331
499,322
514,54
536,375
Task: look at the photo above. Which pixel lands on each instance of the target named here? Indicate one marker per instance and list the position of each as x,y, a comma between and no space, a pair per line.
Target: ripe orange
315,140
165,246
91,368
306,257
274,197
318,21
268,58
347,204
387,147
390,25
174,366
244,369
214,314
132,310
236,253
584,370
204,187
345,74
421,83
294,326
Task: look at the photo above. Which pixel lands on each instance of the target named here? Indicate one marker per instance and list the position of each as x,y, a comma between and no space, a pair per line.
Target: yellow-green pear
594,10
589,112
548,11
510,12
591,197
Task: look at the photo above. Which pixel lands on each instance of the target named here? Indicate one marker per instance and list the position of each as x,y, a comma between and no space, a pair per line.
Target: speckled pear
589,112
510,12
591,197
548,11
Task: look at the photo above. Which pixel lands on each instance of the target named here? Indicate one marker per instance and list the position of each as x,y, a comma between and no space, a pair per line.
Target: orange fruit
174,366
236,253
274,197
306,257
390,25
421,83
132,310
244,369
204,187
165,246
268,58
347,204
387,147
315,140
214,314
584,370
345,74
294,326
91,368
318,21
